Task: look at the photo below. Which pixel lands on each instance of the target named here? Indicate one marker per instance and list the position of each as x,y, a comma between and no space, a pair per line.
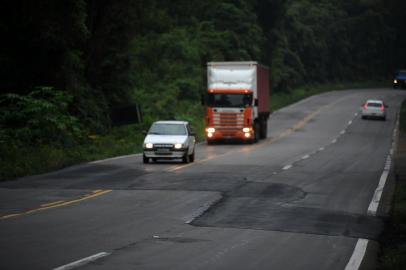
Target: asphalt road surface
300,199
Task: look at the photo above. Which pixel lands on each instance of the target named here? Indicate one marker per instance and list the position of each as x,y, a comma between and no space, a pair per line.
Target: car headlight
246,129
178,145
395,81
149,145
211,130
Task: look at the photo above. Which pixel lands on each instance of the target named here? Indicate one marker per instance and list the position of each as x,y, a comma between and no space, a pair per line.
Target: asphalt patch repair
261,206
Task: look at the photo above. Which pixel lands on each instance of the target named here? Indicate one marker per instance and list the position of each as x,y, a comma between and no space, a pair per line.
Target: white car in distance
374,109
169,140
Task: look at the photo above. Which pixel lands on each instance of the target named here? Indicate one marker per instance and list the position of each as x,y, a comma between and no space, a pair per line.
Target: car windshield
229,100
374,104
167,129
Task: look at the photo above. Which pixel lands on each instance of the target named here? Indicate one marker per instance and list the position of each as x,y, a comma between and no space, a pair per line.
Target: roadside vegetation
69,64
27,154
393,240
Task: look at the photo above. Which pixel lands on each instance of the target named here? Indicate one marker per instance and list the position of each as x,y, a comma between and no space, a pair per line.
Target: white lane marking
305,156
350,122
373,206
321,149
334,141
342,132
355,114
361,246
114,158
358,255
82,262
287,167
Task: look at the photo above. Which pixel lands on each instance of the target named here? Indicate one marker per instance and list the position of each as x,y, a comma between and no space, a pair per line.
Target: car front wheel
186,157
192,156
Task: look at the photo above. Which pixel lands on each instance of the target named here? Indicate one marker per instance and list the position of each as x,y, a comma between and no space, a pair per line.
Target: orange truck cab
237,103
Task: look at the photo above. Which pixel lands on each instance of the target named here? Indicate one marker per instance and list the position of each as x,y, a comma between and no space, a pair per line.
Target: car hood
169,139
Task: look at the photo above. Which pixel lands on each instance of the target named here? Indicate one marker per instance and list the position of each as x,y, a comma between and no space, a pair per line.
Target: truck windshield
229,100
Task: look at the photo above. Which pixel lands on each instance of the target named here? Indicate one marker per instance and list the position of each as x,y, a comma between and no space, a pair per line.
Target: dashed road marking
82,262
358,255
287,167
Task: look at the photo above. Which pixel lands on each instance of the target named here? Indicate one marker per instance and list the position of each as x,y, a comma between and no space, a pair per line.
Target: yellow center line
94,194
280,136
51,203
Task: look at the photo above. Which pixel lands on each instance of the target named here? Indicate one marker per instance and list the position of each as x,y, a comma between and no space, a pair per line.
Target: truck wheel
264,129
256,132
145,160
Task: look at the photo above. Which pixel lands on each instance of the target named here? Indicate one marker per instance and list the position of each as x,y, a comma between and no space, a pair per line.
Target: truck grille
228,121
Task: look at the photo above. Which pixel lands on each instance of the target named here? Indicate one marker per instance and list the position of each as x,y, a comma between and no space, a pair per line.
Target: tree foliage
41,117
105,53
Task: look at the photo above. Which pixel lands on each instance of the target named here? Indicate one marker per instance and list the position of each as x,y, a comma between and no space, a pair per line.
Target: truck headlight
246,129
178,145
211,130
149,145
395,81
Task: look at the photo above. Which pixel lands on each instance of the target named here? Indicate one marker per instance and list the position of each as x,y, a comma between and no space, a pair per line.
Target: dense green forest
66,64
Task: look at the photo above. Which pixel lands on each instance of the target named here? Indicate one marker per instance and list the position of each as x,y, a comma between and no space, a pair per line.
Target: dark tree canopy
107,53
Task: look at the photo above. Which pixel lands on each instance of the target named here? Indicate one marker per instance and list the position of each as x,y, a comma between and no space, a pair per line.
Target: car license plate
163,151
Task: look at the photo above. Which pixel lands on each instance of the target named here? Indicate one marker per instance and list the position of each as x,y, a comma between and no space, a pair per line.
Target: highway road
308,197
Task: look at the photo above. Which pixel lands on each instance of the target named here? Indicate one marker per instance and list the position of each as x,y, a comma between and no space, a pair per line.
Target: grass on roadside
17,161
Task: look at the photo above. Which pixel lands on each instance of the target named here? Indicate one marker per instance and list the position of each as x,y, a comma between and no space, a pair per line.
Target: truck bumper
220,135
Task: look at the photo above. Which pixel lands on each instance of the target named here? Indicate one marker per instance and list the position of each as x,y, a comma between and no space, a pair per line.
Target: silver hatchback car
374,109
169,140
